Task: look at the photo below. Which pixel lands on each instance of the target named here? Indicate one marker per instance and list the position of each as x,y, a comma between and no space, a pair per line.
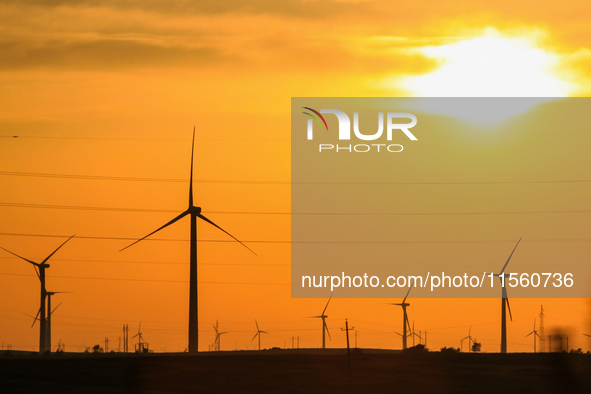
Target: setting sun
492,65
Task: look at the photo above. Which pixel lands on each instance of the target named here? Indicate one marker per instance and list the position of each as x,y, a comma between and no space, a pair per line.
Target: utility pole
542,336
347,329
106,345
355,339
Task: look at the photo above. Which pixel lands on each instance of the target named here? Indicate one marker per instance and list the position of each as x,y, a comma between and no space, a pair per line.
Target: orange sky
113,88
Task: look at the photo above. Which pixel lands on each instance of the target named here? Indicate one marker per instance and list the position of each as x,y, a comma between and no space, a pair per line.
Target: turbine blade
407,294
135,336
587,335
327,303
470,331
263,332
529,334
20,257
509,307
328,332
511,255
58,248
36,317
255,335
182,215
216,330
58,305
191,177
215,225
255,322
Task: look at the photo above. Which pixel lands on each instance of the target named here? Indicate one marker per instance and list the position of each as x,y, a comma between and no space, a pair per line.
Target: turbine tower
218,336
405,322
42,313
194,212
542,332
259,332
505,302
535,333
324,326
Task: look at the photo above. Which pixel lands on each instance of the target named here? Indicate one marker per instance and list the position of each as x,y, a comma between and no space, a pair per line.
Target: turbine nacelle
194,210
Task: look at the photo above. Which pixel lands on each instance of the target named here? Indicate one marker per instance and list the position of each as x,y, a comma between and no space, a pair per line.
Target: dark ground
286,372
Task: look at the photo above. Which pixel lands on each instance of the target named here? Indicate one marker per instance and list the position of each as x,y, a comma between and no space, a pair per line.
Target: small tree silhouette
476,346
97,349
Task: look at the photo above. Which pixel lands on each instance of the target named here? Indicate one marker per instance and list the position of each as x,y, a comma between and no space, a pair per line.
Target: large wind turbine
505,303
194,212
405,322
42,313
324,326
259,332
535,333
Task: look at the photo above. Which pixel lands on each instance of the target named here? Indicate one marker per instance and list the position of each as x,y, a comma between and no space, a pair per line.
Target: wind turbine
194,212
414,334
505,303
40,271
405,322
140,339
218,335
535,335
324,326
469,338
49,313
259,332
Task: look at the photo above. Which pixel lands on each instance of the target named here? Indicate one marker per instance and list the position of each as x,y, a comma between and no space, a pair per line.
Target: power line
154,280
118,209
127,178
120,178
157,262
478,241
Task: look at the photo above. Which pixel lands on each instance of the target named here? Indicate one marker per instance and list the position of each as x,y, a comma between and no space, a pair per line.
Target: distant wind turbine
505,303
42,313
218,336
259,332
324,326
469,338
194,212
405,322
49,313
535,333
140,344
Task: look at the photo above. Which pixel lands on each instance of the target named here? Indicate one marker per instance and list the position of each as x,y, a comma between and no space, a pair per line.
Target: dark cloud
293,8
102,54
